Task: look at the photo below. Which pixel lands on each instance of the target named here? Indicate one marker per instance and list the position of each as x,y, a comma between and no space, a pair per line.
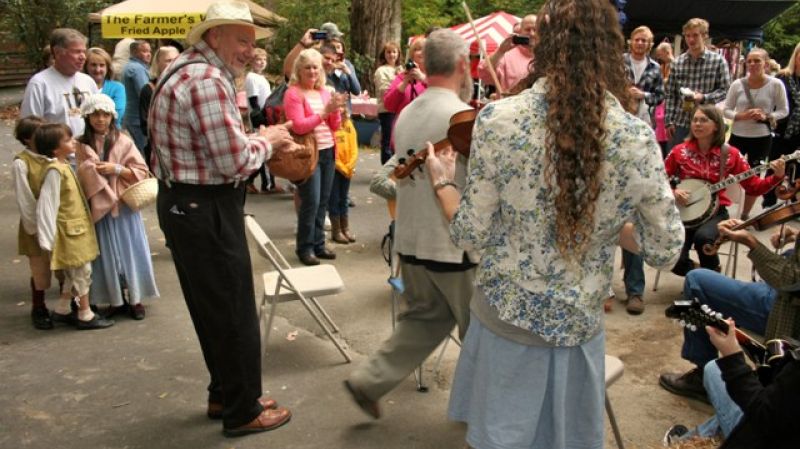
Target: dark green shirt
780,272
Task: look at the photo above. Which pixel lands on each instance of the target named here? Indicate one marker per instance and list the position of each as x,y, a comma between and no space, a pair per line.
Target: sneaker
674,434
689,384
635,305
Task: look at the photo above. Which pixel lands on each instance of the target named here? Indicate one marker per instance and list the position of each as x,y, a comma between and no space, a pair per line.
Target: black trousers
204,229
697,237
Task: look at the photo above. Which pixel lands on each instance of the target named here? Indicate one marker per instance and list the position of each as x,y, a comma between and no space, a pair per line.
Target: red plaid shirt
687,162
195,125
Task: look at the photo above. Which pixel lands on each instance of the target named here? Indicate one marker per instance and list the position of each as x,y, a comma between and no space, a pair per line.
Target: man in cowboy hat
202,156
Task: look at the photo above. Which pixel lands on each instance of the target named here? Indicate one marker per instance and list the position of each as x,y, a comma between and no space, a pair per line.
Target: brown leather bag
298,165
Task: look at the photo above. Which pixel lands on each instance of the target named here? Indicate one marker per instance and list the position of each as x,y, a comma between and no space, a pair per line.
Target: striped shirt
322,132
707,75
196,127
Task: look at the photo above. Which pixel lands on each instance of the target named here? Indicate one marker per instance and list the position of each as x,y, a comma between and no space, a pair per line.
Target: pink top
661,130
512,68
304,119
322,133
394,100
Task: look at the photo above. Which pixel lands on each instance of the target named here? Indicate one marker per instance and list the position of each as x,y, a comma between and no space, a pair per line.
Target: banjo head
701,202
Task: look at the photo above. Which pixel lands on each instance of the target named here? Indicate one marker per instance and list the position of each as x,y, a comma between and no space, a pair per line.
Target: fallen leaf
121,404
162,395
291,336
21,303
15,261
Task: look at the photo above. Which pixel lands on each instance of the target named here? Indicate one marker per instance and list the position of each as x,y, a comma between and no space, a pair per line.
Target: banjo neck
714,188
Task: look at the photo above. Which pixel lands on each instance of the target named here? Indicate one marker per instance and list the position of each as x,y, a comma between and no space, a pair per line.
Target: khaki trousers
437,301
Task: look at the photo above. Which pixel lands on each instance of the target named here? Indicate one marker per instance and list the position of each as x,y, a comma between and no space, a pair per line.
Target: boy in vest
27,174
64,226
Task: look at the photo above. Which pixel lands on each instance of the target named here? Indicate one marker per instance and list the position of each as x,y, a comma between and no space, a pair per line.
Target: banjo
703,201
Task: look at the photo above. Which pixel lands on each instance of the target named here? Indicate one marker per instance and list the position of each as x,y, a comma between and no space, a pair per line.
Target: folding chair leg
327,317
324,327
655,282
268,329
613,421
418,377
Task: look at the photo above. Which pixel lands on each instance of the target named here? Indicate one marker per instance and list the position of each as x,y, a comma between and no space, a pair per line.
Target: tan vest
75,242
27,244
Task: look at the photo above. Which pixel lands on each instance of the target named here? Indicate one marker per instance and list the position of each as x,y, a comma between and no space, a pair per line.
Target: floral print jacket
507,215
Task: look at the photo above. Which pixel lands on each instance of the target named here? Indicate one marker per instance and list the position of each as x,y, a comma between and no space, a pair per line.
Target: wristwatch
444,183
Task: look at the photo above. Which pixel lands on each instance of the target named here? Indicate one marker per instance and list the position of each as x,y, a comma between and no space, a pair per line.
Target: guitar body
702,203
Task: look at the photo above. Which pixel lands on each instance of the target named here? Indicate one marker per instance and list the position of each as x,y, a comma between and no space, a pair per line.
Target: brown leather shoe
214,410
269,419
635,305
366,404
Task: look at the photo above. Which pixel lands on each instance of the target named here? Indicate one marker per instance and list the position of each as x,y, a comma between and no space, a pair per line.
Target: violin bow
482,50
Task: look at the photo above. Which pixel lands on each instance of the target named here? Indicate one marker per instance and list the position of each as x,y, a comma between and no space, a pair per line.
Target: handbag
298,165
141,194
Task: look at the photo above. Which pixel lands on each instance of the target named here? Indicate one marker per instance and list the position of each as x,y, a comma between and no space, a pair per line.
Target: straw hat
98,102
225,12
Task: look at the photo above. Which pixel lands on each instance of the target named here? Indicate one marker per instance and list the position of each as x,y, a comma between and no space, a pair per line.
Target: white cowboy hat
225,12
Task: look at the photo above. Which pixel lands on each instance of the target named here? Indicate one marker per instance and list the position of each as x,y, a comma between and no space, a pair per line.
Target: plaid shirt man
707,74
196,126
651,82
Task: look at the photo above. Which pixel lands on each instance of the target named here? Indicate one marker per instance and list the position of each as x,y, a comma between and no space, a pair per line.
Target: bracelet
439,185
118,169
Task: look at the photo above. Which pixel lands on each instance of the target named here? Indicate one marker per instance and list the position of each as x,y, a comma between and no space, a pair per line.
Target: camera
319,35
410,65
516,39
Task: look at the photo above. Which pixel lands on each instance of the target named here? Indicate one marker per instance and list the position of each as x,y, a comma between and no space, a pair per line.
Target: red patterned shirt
195,125
687,162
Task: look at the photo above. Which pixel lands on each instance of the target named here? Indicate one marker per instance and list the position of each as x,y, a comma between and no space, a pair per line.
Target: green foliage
30,21
420,15
782,33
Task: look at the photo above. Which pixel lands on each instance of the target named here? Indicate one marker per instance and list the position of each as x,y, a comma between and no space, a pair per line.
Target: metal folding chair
304,284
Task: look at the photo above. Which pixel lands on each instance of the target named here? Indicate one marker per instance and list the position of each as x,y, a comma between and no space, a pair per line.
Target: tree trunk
372,24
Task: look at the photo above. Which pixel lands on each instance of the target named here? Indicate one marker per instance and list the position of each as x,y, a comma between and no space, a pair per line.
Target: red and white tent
492,29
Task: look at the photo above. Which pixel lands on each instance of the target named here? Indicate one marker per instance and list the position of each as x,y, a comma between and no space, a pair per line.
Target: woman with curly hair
555,173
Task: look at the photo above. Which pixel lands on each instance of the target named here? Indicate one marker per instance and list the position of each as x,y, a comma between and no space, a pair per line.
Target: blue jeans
314,194
634,273
728,414
134,128
339,193
387,123
748,303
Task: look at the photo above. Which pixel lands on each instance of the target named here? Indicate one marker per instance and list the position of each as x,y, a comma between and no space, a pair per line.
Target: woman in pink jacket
409,84
313,109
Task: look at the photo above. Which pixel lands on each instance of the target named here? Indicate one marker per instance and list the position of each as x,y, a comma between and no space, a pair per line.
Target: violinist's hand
681,196
778,167
789,236
740,236
725,343
441,166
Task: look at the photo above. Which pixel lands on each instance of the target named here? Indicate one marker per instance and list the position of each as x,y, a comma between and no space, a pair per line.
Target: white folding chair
614,370
304,284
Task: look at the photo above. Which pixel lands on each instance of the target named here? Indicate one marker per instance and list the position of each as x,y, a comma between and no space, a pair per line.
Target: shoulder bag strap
749,96
161,164
723,160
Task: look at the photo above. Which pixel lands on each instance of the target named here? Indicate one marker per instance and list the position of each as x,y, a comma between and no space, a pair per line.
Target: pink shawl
103,191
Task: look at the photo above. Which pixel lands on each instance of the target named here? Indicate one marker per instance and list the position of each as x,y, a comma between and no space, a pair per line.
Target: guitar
768,358
703,203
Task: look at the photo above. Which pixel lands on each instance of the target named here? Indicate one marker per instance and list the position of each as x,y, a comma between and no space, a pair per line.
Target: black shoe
366,404
97,322
689,384
41,318
137,311
114,310
674,434
69,318
308,259
326,254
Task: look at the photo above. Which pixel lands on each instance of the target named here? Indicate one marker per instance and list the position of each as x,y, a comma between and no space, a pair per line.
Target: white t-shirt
638,68
257,86
57,98
771,98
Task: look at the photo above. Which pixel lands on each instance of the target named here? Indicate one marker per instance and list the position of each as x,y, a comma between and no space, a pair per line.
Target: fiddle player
438,276
770,308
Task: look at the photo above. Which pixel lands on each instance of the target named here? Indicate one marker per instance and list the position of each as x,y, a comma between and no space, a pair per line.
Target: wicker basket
141,194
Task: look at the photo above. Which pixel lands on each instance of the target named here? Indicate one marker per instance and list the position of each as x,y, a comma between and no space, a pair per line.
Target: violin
775,216
459,135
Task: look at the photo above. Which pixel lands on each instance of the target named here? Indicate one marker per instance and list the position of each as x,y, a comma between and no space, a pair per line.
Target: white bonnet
98,102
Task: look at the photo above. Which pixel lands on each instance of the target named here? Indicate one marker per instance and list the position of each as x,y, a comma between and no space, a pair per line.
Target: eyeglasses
700,120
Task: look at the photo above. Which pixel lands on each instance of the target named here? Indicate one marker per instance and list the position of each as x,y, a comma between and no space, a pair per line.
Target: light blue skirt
124,252
515,396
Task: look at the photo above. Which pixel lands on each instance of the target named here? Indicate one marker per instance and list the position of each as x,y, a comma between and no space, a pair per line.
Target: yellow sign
165,26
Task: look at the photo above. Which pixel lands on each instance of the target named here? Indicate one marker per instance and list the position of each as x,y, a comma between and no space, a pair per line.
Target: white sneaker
674,434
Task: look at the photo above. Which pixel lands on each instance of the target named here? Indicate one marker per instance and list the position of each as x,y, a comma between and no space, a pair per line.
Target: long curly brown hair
578,47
